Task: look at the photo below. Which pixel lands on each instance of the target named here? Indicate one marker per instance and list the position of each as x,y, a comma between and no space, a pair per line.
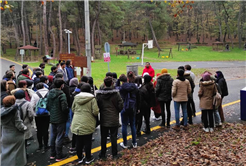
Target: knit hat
9,101
147,79
20,94
164,70
50,78
206,77
74,82
146,73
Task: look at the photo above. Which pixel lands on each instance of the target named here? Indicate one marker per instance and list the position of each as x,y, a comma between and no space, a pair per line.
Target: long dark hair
138,81
3,85
131,77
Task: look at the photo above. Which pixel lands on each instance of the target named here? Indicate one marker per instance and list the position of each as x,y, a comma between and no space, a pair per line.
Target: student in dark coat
223,87
110,104
145,93
164,94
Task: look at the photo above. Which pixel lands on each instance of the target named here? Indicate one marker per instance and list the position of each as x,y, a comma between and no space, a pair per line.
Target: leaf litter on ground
225,146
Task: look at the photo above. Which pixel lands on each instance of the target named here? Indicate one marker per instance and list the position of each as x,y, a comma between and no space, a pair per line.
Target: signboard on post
22,52
106,57
150,43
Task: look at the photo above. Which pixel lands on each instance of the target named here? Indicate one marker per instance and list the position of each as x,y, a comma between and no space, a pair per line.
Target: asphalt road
232,114
5,66
206,64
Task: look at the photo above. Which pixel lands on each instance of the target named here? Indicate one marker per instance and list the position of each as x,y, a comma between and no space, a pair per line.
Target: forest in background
43,23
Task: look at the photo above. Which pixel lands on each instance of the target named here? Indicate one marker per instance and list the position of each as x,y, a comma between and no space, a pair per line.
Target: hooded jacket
85,110
12,141
129,88
222,83
189,78
57,106
206,92
164,87
3,95
181,90
11,85
149,70
110,104
35,98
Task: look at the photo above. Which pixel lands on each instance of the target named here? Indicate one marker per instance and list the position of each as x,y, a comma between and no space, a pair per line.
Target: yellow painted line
17,64
97,149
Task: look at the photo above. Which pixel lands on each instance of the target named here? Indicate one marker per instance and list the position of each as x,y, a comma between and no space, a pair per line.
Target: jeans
113,136
83,141
146,114
208,118
57,135
125,118
42,123
70,115
217,117
221,112
162,105
184,110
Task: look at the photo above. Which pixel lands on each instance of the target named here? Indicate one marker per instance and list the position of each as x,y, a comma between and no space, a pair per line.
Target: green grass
118,63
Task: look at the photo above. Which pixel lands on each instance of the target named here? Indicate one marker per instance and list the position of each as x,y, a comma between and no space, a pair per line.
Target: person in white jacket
43,120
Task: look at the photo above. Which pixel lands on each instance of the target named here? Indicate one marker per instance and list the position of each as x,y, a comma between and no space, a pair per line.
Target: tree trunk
238,26
41,51
60,27
49,23
46,47
27,34
52,33
154,37
37,25
22,24
99,34
16,35
92,39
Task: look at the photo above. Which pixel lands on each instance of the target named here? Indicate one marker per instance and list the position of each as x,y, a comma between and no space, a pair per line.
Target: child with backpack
42,116
130,94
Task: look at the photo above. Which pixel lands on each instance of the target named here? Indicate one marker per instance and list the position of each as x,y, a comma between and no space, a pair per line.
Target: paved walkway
199,64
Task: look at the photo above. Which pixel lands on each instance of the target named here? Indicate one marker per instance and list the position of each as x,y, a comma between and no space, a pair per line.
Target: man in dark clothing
23,67
110,104
42,66
53,71
37,79
108,74
164,95
65,90
58,107
223,87
25,75
69,68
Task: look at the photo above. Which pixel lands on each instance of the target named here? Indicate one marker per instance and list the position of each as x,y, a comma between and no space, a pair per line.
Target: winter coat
206,92
52,74
57,106
11,85
30,92
22,77
192,84
223,86
65,90
110,104
28,114
164,87
73,94
3,95
85,110
70,72
144,98
12,141
149,70
36,81
181,90
35,99
64,72
193,76
129,88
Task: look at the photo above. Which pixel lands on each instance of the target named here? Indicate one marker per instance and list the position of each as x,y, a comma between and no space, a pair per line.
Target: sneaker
220,124
92,139
177,128
118,136
157,119
52,157
39,149
211,130
81,160
134,145
66,140
123,146
206,130
46,148
72,152
60,158
72,149
90,160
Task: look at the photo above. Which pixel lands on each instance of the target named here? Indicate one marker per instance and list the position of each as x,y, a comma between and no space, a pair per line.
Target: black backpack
21,112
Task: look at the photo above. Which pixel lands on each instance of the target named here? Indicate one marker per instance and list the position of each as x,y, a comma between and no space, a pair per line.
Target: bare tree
60,27
52,33
46,47
22,23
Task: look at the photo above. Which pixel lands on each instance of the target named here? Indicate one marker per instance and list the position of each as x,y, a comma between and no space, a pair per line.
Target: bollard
243,103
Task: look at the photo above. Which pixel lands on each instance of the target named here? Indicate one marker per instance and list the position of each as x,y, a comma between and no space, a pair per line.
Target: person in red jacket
149,69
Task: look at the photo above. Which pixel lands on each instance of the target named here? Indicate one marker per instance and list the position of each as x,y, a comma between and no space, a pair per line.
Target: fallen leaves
226,146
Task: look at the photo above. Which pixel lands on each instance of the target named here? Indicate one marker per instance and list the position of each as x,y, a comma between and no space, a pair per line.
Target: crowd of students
65,104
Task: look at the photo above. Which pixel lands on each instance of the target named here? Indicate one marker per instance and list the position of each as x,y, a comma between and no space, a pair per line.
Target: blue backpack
41,105
130,101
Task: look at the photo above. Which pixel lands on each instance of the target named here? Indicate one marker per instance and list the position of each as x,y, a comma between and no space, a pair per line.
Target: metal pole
21,58
87,37
143,52
108,67
68,43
